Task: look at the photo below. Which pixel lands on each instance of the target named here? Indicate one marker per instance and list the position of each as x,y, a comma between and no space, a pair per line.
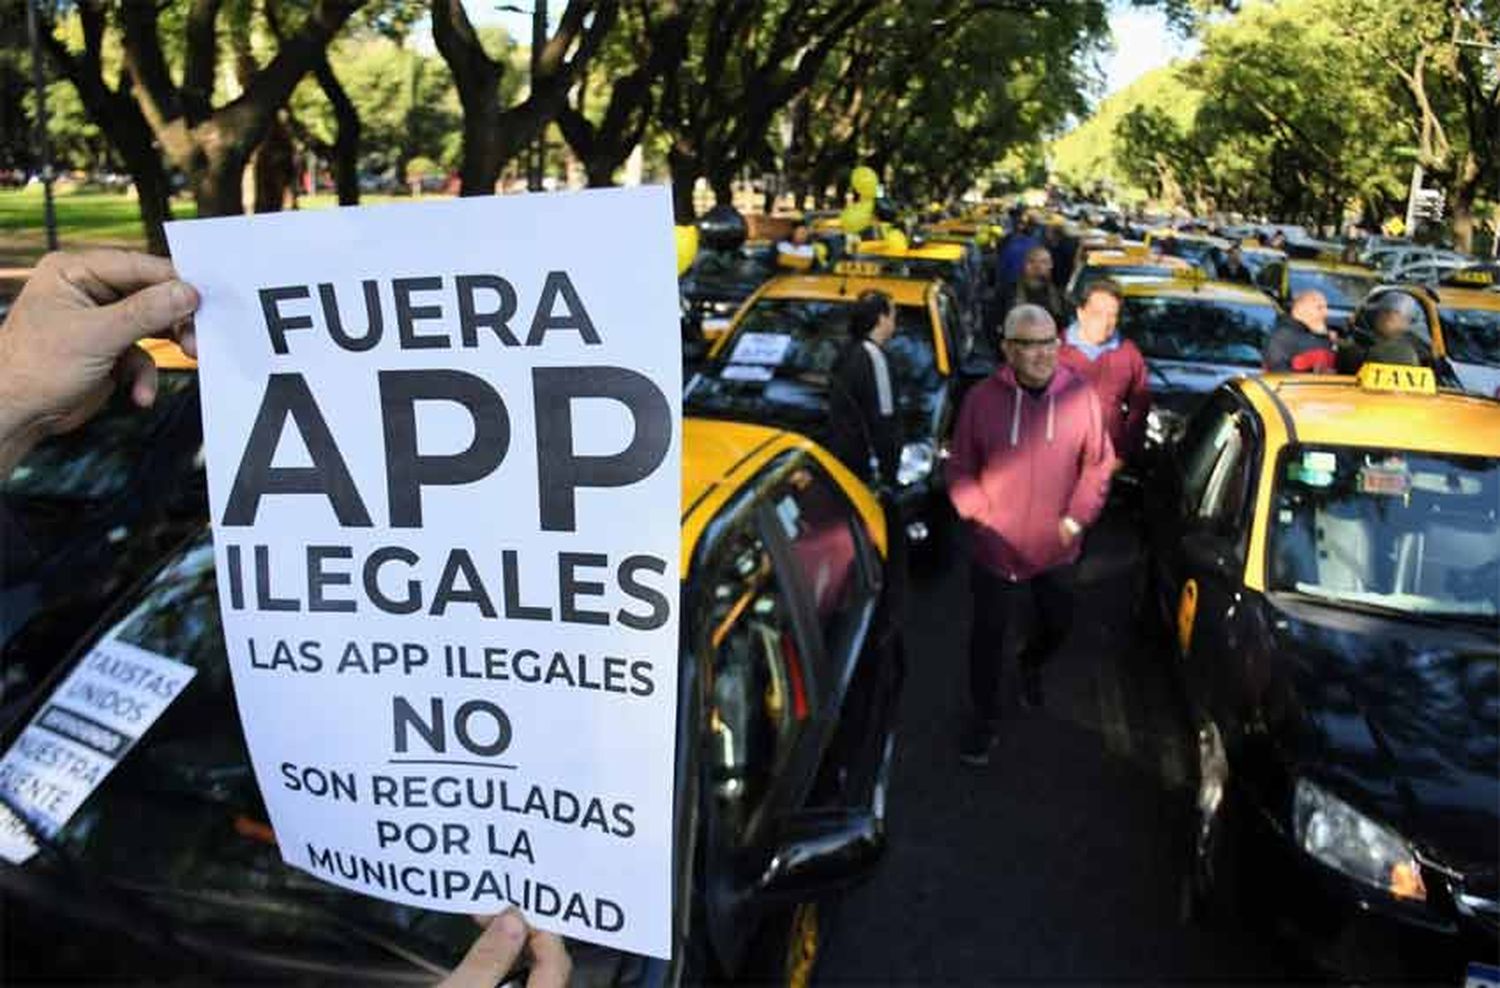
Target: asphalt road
1062,861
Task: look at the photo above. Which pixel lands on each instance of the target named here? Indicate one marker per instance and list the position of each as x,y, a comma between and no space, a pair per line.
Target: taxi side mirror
821,851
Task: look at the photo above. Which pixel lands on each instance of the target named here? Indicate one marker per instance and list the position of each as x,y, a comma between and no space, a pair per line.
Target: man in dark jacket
1301,341
863,428
1036,287
1233,267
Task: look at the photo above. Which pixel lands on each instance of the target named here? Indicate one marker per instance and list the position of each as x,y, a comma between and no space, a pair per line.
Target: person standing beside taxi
1030,472
862,429
1114,366
1302,340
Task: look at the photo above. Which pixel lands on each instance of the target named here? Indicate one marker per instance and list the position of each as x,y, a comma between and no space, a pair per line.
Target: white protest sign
769,349
84,729
444,454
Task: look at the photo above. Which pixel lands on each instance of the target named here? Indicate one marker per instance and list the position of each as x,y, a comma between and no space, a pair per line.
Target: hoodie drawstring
1015,420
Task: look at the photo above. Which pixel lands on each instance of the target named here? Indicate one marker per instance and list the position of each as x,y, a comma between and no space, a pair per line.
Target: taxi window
1205,439
831,563
1214,332
817,331
1226,493
1388,528
1471,336
96,461
180,820
1343,289
957,339
759,681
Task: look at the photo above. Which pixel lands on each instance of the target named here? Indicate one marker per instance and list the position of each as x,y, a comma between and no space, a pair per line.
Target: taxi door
1202,555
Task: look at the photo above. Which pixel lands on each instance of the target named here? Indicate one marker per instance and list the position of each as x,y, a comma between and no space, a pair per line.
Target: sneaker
977,742
1031,688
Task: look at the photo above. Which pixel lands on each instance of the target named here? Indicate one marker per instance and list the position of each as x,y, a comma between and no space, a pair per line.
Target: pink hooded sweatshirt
1020,464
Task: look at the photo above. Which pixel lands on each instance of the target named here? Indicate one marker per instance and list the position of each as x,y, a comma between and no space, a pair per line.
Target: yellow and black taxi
1455,327
87,512
958,263
1125,265
1328,558
1195,334
789,674
1343,285
1201,250
774,366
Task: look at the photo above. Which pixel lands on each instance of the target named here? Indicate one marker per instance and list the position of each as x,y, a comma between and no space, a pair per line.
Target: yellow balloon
857,216
865,182
687,247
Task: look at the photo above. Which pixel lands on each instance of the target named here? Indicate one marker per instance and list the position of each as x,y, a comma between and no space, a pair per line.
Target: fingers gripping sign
506,943
70,336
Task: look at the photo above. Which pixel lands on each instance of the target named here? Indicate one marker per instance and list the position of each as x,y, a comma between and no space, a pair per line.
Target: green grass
92,217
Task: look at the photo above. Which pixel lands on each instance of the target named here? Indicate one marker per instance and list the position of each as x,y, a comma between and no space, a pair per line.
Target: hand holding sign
503,943
72,330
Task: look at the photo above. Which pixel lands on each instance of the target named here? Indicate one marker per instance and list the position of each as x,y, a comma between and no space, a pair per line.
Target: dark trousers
998,603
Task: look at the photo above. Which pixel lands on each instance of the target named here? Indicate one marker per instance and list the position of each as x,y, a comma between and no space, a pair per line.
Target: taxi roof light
1397,377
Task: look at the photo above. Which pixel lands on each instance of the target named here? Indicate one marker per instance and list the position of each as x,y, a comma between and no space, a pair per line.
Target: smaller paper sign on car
443,452
78,736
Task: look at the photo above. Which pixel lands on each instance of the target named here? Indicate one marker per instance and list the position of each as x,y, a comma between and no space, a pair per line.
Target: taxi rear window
811,333
1402,531
1344,290
1195,330
1472,336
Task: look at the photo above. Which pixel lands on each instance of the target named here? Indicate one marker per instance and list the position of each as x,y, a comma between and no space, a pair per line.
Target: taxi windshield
1343,289
96,461
802,338
1415,533
1199,330
1472,336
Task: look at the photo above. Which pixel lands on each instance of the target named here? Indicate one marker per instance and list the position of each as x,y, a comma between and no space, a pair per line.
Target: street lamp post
43,144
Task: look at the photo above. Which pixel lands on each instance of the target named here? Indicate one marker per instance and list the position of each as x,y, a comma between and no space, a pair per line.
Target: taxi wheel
787,949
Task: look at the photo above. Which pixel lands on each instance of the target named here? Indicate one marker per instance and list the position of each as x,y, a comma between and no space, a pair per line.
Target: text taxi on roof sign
774,366
789,680
1328,560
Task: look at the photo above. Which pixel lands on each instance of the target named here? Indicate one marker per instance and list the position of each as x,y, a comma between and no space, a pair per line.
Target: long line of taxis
774,365
789,676
1328,553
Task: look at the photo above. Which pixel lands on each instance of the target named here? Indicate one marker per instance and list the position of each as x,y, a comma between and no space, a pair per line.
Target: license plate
1482,976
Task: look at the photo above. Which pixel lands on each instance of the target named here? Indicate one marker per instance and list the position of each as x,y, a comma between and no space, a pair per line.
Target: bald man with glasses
1029,472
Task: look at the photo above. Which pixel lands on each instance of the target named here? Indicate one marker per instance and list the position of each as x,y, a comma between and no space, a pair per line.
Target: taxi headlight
917,461
1346,840
1164,426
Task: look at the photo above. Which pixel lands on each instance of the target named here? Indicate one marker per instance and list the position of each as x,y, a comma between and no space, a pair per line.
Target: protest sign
443,448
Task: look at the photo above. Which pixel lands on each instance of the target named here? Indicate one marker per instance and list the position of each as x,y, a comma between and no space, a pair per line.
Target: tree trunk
723,186
273,168
217,184
685,170
346,144
600,171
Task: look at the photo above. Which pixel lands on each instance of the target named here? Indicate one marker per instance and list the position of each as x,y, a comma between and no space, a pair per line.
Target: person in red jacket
1114,366
1029,470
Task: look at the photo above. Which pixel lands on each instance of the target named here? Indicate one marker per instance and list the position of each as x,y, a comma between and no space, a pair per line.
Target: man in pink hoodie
1029,471
1114,366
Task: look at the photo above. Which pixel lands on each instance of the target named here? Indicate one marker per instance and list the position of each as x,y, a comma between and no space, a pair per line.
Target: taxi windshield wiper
1366,606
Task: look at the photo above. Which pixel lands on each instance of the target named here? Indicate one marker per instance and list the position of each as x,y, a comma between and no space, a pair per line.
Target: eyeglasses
1025,344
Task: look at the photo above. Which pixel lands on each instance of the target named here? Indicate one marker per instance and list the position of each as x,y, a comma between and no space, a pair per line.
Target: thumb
151,311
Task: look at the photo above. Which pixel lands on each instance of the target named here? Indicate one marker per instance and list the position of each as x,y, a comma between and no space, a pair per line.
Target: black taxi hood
1402,718
789,403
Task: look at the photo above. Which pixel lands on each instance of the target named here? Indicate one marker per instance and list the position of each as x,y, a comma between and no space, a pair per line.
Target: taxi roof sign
1397,377
866,268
